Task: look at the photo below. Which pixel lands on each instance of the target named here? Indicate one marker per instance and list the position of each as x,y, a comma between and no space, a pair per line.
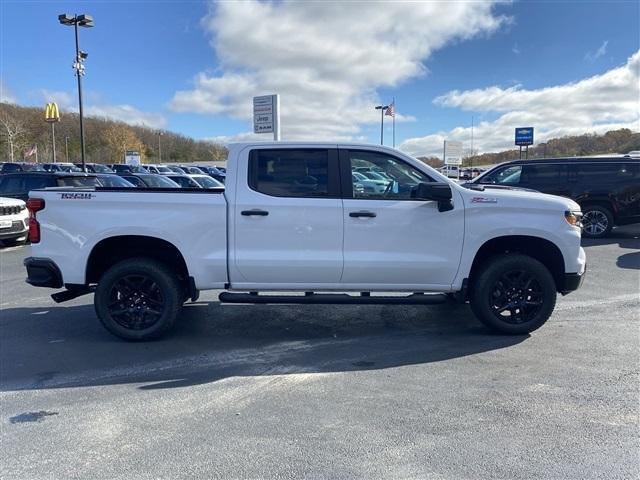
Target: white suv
14,221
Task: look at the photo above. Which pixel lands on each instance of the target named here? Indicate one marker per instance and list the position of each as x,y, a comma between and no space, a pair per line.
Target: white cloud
596,104
127,114
325,59
6,95
123,113
602,50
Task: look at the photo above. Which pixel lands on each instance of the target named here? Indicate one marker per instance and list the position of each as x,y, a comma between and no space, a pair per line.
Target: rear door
551,178
392,241
287,218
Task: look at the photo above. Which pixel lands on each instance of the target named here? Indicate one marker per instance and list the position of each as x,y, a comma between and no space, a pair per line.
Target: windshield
157,181
114,181
101,168
208,182
175,169
78,181
32,167
162,169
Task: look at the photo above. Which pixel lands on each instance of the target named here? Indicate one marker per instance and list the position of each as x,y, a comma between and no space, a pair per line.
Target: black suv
18,185
607,188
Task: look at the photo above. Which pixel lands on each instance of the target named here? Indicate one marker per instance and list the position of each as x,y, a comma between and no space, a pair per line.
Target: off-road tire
489,291
161,284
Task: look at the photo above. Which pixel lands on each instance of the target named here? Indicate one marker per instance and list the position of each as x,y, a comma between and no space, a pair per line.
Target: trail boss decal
484,200
76,196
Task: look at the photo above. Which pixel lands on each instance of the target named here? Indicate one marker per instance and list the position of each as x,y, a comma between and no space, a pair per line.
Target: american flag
31,151
391,109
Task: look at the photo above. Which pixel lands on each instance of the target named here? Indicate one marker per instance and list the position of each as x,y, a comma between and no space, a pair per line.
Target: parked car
12,167
222,169
215,173
176,169
61,167
123,168
606,188
96,168
288,222
158,169
190,170
14,221
205,181
369,185
150,180
185,181
112,180
18,185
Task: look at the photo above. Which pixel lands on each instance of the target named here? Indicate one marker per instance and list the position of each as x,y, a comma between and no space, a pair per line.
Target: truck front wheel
138,299
513,294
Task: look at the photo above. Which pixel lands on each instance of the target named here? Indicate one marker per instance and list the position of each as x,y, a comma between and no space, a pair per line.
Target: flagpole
394,122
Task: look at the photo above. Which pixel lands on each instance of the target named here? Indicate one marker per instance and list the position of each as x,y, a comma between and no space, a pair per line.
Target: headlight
573,218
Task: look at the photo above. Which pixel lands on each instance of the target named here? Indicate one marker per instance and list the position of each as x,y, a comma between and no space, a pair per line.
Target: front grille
16,227
12,210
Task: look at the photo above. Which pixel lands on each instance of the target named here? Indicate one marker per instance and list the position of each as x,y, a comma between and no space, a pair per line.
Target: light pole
79,21
382,108
160,133
66,148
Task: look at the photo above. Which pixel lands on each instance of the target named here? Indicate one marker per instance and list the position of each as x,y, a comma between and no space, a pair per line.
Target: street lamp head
382,107
66,19
83,55
85,20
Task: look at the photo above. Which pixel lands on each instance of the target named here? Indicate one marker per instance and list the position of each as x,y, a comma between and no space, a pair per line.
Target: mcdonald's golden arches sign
51,112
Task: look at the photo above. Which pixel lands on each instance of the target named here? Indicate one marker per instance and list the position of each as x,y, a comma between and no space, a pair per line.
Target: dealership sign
266,115
524,136
452,152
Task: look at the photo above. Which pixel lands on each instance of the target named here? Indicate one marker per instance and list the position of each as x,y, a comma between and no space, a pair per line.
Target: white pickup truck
291,223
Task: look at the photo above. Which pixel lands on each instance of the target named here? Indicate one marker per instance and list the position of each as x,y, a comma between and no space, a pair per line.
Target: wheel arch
543,250
112,250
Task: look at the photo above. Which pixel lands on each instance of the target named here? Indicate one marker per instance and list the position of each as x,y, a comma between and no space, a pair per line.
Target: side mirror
438,191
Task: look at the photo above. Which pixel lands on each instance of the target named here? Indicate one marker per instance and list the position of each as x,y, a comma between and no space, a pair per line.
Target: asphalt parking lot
325,392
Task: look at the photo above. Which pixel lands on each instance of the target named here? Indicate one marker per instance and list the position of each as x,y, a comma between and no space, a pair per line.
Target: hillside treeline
614,141
105,140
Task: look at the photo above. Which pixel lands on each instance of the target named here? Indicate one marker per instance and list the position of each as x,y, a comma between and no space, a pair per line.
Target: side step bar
333,298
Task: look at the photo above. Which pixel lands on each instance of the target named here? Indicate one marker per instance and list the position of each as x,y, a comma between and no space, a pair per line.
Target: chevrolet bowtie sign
524,136
51,112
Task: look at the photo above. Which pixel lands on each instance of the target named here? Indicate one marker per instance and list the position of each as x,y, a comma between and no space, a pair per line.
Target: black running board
72,292
333,298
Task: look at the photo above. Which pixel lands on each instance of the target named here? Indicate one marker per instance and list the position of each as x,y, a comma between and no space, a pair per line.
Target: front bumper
43,272
17,229
572,281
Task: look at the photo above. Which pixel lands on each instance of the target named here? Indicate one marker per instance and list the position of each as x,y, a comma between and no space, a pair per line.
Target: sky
192,67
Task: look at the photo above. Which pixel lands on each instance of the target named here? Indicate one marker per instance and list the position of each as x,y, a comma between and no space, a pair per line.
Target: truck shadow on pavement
627,237
61,347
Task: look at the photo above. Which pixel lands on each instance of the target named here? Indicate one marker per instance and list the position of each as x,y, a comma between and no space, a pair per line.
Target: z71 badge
484,200
76,196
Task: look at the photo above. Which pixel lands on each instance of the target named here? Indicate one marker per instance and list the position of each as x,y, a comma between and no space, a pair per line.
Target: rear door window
41,181
11,185
543,174
603,172
292,173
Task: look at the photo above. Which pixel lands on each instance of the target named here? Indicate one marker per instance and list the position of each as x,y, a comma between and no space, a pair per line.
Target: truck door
287,218
390,240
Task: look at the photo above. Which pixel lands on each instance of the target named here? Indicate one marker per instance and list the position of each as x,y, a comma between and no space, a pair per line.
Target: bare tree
13,132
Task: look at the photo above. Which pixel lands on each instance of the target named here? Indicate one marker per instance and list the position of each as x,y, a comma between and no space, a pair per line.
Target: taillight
34,205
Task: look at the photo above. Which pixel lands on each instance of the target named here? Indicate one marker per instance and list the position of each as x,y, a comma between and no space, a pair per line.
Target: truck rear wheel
138,299
513,294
